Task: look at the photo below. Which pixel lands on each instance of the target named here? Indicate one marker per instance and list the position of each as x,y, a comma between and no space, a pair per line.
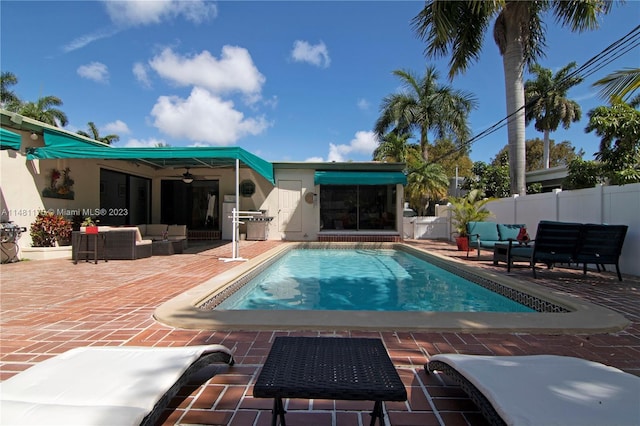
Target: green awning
9,140
62,145
359,178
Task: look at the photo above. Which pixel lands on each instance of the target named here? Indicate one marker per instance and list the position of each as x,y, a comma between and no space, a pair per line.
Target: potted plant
469,208
90,227
49,230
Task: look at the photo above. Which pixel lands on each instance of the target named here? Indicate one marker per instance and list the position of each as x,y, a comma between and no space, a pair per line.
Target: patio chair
601,245
555,242
544,389
115,385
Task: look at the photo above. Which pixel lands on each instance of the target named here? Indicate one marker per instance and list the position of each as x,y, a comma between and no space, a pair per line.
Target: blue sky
287,81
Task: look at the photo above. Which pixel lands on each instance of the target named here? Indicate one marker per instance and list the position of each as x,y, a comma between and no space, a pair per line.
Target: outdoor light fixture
187,177
34,136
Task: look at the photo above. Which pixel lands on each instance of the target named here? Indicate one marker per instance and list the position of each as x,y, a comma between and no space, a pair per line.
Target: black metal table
329,368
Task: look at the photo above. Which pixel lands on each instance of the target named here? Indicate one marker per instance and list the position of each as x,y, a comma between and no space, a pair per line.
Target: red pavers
48,307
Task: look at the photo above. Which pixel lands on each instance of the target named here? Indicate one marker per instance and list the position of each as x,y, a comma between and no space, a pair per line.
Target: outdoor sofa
569,242
485,235
113,385
121,243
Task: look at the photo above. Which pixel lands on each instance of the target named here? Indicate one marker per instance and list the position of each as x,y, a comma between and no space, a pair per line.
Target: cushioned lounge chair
103,385
544,389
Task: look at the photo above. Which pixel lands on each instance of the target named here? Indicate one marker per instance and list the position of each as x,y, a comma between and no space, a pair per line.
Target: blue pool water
374,280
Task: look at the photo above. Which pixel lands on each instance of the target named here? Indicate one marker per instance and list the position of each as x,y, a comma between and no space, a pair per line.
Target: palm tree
546,102
426,106
621,84
95,135
459,27
395,148
7,97
427,181
43,110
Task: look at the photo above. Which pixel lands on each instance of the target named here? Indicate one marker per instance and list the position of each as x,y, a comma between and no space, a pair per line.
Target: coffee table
329,368
162,248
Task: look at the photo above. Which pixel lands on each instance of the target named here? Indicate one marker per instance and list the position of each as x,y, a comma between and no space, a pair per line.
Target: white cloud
144,143
136,12
363,104
364,144
205,118
117,127
233,72
314,160
317,54
140,72
95,71
84,40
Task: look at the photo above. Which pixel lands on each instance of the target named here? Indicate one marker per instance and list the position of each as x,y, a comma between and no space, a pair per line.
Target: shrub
49,228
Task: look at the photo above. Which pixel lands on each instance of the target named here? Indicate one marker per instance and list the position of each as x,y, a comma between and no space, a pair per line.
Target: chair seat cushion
550,389
96,385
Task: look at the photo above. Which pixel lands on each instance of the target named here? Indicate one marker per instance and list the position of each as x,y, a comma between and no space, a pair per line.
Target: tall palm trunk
545,151
513,63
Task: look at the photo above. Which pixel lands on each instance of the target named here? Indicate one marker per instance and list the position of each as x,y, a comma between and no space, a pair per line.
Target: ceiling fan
187,177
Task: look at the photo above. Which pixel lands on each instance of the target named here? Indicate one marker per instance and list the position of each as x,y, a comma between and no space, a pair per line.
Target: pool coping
584,317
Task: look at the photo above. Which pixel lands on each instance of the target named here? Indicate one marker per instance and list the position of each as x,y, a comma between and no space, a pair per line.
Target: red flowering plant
49,229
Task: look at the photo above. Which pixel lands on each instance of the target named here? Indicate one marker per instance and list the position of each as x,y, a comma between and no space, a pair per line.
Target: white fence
618,205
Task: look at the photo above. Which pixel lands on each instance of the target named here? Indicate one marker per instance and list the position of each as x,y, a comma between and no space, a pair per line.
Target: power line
600,60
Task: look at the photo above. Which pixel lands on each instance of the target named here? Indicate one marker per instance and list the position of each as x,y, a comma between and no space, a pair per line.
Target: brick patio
48,307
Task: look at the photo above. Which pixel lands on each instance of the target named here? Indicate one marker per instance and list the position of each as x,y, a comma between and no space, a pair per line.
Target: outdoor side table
99,238
329,368
504,252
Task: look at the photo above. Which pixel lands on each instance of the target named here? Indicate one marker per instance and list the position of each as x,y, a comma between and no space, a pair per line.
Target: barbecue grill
9,235
258,226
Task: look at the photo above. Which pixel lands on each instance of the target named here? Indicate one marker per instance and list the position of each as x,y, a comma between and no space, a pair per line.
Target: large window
193,204
357,207
124,199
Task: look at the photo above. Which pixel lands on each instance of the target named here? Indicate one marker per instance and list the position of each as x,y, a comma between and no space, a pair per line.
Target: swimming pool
361,280
555,311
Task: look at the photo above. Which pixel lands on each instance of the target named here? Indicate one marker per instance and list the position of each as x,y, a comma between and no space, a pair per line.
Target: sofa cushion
155,229
509,231
177,230
488,231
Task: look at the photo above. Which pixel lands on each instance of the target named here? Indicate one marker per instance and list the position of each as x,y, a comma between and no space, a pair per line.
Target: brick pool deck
50,306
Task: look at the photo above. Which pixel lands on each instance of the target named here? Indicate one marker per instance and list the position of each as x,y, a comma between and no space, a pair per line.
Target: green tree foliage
583,174
469,208
618,126
8,99
547,104
44,109
425,183
395,148
94,134
459,27
559,155
492,179
621,85
426,106
445,153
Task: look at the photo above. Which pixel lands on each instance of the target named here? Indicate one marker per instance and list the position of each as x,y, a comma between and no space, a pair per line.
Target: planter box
45,253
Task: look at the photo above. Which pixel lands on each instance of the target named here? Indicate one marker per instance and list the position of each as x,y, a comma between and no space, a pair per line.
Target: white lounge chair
103,385
544,389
